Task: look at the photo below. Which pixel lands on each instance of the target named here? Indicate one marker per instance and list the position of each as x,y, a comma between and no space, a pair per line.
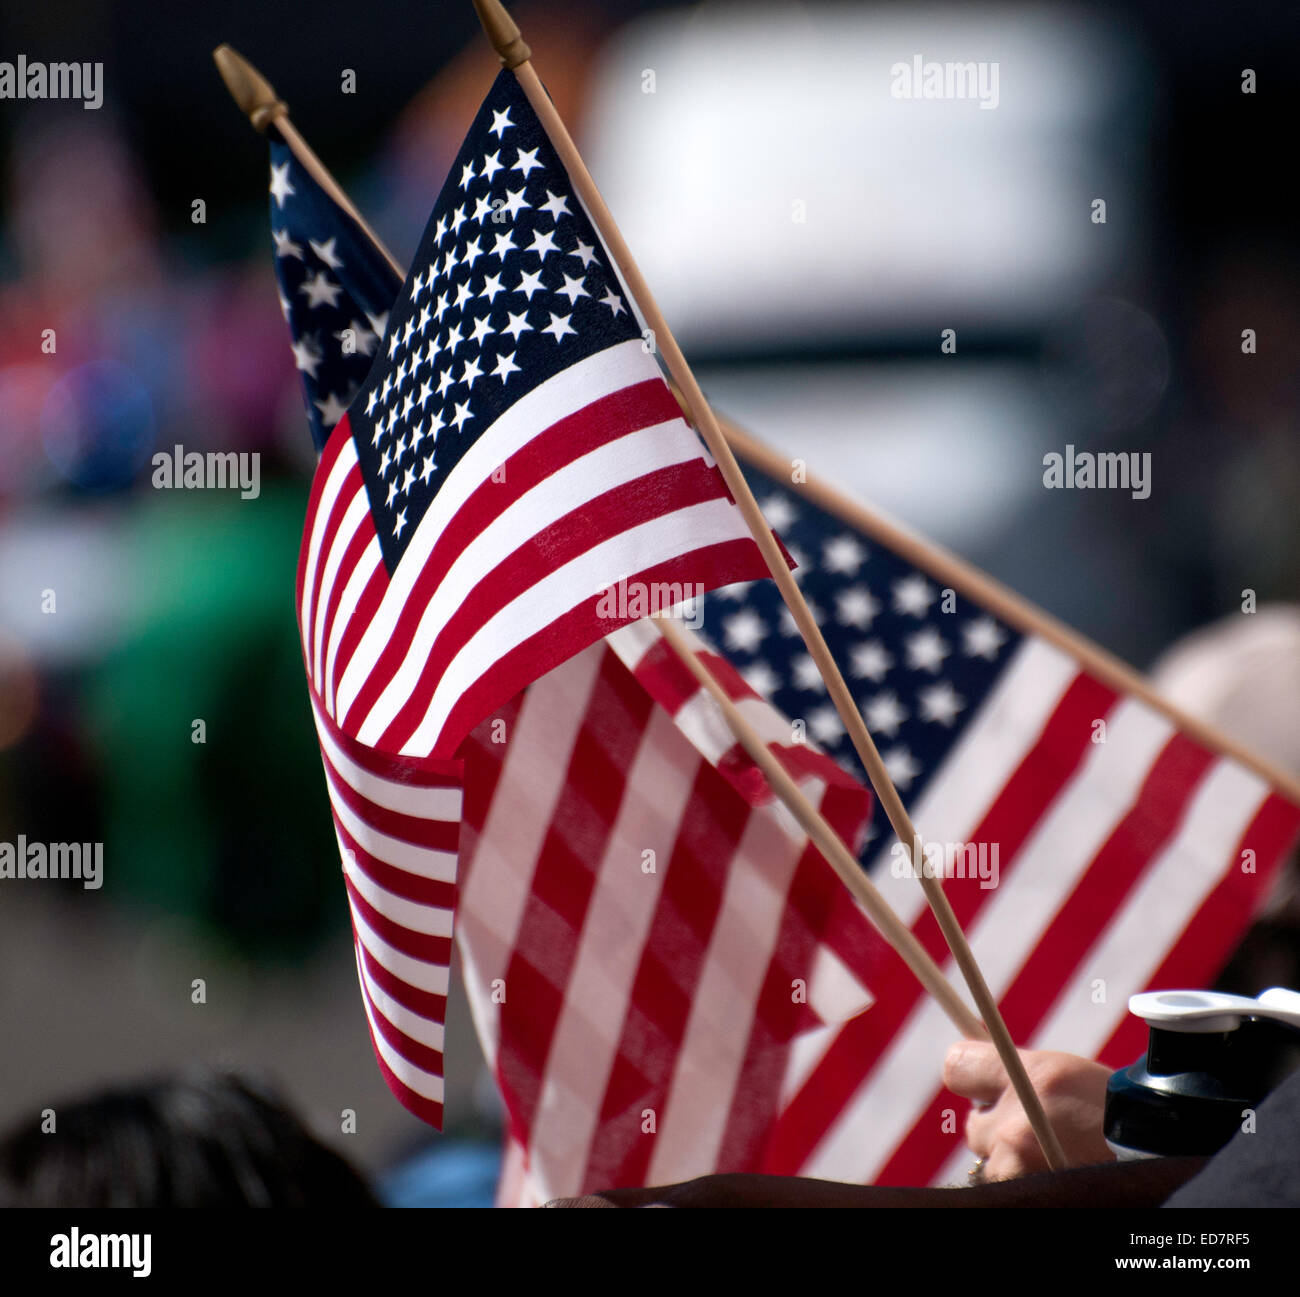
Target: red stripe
418,1054
662,492
352,484
1057,951
427,1004
1034,785
816,903
573,631
402,882
352,556
432,834
329,457
423,946
1205,943
372,596
551,924
621,414
668,973
391,767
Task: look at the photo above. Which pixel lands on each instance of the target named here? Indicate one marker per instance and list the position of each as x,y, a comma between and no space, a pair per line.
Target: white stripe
442,804
561,395
1178,881
1057,853
414,1025
557,495
424,861
1174,887
329,493
420,973
573,585
1007,726
623,904
702,722
499,875
423,1083
633,641
358,508
367,565
996,741
713,1048
432,920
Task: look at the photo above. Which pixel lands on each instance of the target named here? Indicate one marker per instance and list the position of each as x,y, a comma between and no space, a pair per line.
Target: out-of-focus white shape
912,207
954,453
81,559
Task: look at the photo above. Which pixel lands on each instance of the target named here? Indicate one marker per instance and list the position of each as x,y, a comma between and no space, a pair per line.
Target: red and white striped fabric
650,945
398,823
1125,864
590,480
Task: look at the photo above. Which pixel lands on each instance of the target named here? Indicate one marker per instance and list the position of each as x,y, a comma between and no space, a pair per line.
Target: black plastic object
1192,1091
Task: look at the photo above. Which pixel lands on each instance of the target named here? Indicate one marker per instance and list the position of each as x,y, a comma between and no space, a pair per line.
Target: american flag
511,457
652,949
1120,846
336,290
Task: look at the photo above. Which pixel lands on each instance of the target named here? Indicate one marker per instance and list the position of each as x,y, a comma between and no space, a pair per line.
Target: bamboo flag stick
257,99
827,841
515,55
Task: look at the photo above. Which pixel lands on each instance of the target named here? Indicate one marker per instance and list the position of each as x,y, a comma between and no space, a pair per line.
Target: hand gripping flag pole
515,55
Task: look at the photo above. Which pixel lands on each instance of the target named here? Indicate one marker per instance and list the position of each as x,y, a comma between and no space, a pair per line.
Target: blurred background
808,235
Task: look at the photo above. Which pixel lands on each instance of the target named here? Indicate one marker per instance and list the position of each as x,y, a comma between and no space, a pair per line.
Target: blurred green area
233,831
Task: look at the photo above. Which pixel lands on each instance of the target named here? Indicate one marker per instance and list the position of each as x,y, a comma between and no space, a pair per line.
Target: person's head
203,1138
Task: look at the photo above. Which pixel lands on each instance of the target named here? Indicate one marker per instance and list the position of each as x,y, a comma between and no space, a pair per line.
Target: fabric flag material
511,479
652,948
1097,851
336,290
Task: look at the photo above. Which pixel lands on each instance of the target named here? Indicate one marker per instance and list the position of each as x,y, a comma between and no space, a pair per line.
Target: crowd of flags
665,976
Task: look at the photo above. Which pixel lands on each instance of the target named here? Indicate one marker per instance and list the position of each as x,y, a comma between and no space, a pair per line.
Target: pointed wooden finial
503,33
249,88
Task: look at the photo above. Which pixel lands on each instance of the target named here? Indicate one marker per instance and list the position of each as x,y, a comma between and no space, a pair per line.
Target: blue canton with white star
918,660
510,286
336,289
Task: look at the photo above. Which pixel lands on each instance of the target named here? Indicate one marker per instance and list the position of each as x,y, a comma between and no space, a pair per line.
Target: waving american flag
511,457
1111,841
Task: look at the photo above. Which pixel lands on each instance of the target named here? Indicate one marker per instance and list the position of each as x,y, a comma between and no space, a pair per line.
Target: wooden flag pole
828,842
515,55
257,99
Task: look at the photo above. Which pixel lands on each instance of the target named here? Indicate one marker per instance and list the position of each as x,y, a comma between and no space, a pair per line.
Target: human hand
1073,1091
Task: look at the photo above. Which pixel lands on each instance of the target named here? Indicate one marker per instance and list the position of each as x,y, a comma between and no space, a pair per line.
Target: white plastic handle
1210,1011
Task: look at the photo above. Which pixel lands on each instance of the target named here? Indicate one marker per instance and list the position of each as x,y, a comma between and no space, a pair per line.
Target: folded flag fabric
653,951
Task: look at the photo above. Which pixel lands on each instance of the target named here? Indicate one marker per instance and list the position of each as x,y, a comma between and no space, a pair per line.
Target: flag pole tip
253,93
503,32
